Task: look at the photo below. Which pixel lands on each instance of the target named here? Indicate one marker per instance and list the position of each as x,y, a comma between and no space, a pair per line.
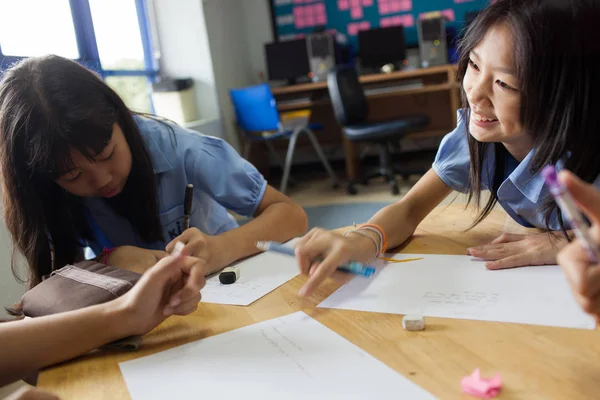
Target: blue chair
259,121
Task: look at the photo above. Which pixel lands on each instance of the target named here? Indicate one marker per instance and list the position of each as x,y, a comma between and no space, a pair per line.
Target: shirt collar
530,185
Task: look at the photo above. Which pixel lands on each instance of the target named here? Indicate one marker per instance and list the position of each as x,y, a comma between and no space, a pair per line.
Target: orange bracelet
379,229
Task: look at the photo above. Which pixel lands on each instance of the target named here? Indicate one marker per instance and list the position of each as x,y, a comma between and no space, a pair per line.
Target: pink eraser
484,388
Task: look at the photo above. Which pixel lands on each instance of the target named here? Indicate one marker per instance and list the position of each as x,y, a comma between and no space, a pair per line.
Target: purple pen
567,205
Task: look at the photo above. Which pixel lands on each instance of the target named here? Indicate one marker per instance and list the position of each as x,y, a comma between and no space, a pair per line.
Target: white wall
220,44
257,20
226,29
184,49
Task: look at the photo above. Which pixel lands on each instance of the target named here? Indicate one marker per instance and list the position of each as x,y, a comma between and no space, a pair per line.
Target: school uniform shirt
222,181
521,194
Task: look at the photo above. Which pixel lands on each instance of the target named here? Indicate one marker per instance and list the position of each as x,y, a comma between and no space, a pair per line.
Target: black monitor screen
381,46
287,60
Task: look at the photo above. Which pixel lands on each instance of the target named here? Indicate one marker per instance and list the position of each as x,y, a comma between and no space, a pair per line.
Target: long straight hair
557,59
48,107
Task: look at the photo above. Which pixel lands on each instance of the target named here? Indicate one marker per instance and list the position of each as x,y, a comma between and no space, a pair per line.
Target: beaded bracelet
380,232
375,242
380,245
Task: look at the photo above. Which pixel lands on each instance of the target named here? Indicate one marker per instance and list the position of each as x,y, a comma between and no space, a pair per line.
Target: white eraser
413,322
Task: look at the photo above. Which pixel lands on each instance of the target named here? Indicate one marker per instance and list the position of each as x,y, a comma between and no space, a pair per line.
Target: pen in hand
566,203
187,205
353,267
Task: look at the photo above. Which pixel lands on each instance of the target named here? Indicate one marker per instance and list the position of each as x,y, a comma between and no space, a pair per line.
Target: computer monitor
380,46
287,60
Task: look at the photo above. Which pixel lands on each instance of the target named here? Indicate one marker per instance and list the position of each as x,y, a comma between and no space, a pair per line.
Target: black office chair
351,111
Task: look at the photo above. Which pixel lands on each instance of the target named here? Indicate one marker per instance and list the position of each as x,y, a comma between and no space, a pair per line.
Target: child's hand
511,251
583,275
134,258
171,287
206,247
333,249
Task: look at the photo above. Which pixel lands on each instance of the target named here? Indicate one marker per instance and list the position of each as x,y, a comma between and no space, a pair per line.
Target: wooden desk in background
536,362
438,98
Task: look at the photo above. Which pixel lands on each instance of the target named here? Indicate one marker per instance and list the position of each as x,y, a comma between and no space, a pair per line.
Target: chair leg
319,150
272,150
386,167
385,160
288,160
246,151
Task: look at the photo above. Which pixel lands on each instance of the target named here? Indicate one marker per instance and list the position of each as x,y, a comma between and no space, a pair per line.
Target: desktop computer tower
432,41
321,55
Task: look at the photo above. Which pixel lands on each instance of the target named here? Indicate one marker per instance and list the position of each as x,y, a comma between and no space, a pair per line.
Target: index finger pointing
327,267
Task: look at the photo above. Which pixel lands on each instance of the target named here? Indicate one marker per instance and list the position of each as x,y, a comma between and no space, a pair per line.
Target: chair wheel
336,185
406,177
352,190
395,190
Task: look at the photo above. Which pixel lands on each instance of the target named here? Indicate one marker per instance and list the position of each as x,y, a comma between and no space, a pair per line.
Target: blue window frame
87,45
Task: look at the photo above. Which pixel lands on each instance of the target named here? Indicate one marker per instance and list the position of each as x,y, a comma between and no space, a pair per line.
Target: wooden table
438,98
536,362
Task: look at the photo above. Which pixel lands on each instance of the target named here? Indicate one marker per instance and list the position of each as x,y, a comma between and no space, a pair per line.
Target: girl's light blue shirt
222,181
522,194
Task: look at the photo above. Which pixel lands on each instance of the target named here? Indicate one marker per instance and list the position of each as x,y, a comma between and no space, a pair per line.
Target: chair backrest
347,97
255,108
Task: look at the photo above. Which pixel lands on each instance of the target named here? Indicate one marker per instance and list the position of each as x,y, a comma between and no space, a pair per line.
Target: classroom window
117,34
134,90
109,36
47,28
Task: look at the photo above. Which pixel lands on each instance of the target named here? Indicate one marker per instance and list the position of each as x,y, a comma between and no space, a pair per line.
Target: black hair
49,106
557,60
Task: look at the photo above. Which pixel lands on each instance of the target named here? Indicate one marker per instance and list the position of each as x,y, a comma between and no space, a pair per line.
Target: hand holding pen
211,249
320,253
582,273
565,201
353,267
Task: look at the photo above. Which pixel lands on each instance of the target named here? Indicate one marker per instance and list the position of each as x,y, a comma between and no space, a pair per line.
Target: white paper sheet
292,357
259,275
461,287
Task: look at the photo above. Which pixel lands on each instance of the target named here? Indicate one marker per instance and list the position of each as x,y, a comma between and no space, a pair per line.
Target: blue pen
353,267
567,205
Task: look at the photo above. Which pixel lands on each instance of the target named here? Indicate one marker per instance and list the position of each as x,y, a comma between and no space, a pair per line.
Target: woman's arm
132,258
171,287
28,345
582,272
277,218
398,220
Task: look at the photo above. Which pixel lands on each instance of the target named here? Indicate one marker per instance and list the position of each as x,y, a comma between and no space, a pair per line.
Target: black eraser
229,275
